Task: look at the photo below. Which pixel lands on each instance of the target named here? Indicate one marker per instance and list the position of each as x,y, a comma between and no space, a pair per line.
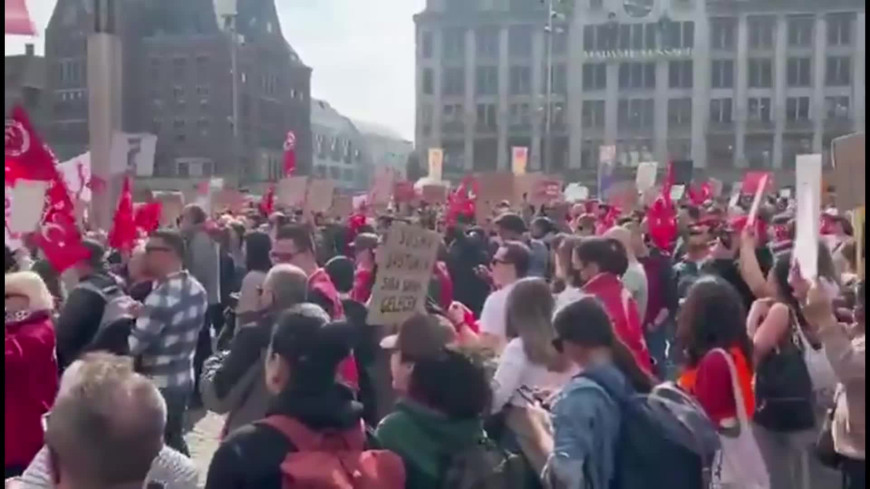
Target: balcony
759,126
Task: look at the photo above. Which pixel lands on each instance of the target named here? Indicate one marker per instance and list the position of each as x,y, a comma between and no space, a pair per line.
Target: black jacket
81,314
251,456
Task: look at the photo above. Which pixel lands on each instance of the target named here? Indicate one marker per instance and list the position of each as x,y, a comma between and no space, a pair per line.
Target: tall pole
234,67
546,161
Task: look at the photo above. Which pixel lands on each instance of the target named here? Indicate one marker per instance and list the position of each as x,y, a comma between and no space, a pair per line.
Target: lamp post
547,154
230,25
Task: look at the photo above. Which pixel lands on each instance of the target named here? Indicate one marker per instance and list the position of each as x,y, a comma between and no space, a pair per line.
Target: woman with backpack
313,435
788,413
437,428
586,420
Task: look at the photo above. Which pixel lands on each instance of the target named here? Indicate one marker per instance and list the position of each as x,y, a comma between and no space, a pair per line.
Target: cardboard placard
228,199
405,262
646,175
172,205
809,200
496,187
320,196
622,195
756,202
519,159
436,164
849,171
546,190
28,202
342,206
292,192
382,186
434,194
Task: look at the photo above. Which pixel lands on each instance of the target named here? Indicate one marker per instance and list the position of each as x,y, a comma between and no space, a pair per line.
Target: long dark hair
433,383
785,294
258,245
585,322
712,317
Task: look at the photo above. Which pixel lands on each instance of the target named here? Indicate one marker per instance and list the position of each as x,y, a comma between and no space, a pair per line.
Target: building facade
178,83
386,147
729,84
339,148
24,84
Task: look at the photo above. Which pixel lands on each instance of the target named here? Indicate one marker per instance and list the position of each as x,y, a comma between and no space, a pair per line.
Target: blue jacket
586,423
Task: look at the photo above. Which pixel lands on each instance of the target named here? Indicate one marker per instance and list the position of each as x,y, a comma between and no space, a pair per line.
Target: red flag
463,201
27,157
18,19
290,154
267,204
123,233
700,194
147,216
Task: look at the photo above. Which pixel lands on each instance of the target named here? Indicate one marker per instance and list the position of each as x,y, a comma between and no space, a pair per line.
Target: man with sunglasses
509,264
167,329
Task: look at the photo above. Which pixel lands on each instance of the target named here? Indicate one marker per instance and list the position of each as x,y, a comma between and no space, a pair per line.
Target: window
722,33
589,37
635,113
797,108
593,114
839,29
759,109
428,81
202,125
486,80
520,114
452,113
837,108
680,74
636,36
454,81
560,39
520,80
178,94
838,71
594,76
604,37
183,169
679,35
520,40
760,73
680,111
560,79
486,41
426,44
453,43
720,110
178,67
800,31
486,116
798,72
335,173
637,75
722,73
202,66
761,31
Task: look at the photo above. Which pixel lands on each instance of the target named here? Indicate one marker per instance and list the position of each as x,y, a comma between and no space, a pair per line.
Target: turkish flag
290,154
18,19
27,157
267,203
123,233
147,216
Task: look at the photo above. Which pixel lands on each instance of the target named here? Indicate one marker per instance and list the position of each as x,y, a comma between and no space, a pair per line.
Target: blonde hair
530,306
30,285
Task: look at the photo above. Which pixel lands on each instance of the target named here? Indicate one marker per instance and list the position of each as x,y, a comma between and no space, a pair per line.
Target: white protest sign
809,201
405,262
785,193
133,153
646,176
756,202
436,163
28,201
677,192
575,192
735,198
77,175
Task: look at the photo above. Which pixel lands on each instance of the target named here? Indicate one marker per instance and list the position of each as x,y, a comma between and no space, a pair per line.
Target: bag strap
742,415
305,439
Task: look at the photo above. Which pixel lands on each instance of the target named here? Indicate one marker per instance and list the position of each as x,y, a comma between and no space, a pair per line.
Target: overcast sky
362,52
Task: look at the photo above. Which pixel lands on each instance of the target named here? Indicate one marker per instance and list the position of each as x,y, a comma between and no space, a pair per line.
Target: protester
509,264
31,367
420,337
106,431
167,329
566,277
232,383
600,262
364,246
139,280
634,279
294,244
257,263
585,420
467,251
511,227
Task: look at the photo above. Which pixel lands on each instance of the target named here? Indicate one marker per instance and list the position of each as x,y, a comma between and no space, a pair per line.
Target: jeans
791,461
854,473
176,411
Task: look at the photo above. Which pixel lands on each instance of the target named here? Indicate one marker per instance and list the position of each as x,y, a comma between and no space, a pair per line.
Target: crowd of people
549,355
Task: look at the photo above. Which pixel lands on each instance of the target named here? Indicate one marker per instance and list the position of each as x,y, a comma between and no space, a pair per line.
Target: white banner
77,175
133,153
809,202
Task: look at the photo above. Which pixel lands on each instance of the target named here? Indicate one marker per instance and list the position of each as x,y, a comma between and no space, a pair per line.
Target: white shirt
516,372
493,317
567,296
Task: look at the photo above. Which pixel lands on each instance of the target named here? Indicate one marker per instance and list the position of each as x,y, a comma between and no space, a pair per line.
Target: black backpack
666,440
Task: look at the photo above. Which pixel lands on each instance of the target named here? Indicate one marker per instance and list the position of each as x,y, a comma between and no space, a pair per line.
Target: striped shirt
167,330
170,470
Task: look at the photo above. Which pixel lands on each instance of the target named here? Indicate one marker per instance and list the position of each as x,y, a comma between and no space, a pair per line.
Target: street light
230,26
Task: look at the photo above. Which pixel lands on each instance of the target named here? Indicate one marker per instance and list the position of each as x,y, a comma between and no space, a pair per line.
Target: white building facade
338,147
729,84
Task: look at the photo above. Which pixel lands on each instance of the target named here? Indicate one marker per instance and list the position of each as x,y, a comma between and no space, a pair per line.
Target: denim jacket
586,424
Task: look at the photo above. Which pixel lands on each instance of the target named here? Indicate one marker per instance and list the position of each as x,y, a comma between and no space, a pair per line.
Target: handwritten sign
292,191
809,200
405,262
849,171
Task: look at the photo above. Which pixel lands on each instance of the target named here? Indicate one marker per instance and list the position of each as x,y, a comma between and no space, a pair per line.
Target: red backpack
335,460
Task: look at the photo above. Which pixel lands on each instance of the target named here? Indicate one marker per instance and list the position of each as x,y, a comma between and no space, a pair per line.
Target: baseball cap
420,337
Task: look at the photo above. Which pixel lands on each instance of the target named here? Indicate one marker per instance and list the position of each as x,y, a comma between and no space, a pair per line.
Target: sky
362,53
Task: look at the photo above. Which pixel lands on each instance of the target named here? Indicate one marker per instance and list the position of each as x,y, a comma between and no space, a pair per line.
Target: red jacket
363,281
31,384
623,313
445,285
319,281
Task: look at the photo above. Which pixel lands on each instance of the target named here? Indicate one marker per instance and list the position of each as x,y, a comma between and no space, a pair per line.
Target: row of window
640,113
336,149
642,75
334,172
761,34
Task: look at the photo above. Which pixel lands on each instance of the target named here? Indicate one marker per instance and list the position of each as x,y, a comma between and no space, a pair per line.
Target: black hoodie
250,458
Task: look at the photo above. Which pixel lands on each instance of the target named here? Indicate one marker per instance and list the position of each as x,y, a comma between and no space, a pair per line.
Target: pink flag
18,19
